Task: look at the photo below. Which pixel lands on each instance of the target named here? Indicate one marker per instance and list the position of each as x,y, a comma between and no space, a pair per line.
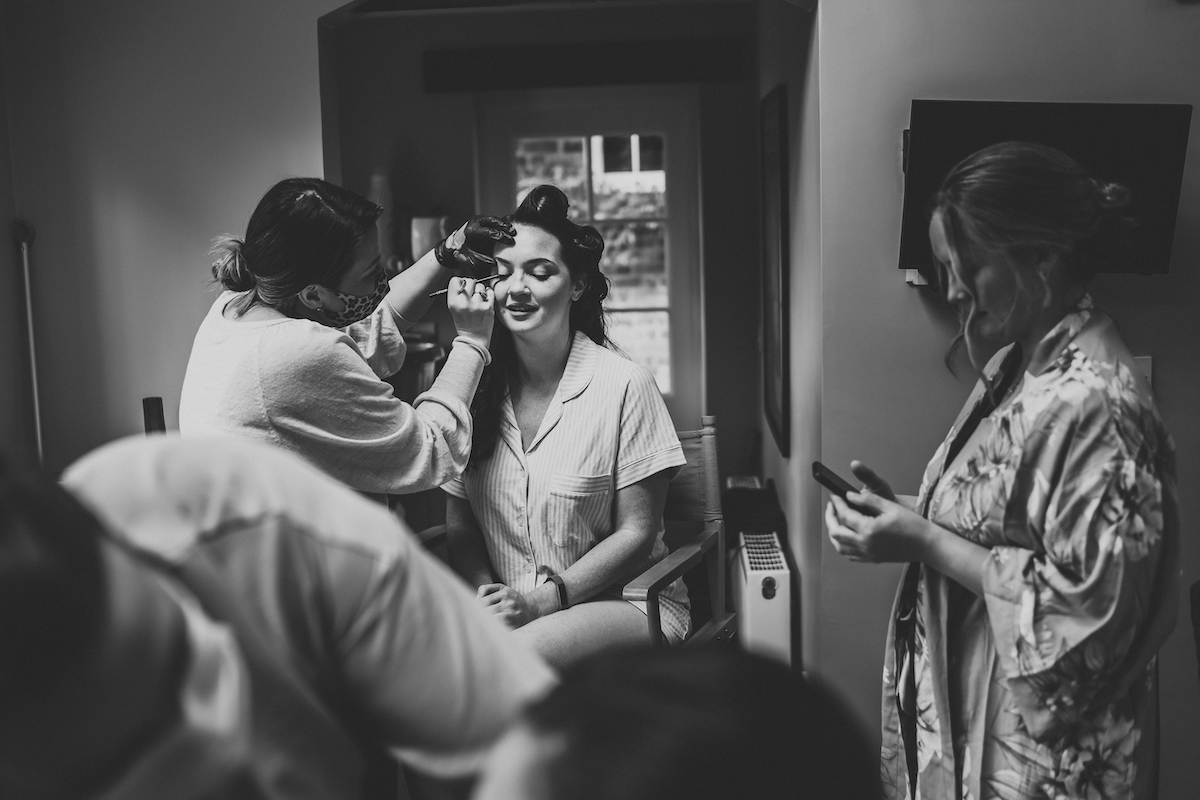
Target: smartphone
831,480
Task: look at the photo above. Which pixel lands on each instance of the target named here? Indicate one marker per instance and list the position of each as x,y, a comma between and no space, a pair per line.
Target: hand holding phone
831,480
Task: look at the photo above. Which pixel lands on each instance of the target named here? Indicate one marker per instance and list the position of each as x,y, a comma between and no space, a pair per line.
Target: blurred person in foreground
212,618
1044,542
673,724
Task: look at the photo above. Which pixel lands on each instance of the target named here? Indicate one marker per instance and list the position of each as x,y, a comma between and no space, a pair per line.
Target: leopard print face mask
358,307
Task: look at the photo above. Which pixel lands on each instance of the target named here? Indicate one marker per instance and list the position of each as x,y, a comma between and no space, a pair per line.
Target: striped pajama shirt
541,510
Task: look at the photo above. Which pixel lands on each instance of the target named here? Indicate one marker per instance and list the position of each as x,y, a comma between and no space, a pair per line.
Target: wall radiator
762,595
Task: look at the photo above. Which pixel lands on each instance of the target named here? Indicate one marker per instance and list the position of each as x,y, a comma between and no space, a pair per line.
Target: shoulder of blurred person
169,495
308,612
664,723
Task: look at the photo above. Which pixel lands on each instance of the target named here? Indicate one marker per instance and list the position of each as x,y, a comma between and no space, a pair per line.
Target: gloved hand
469,248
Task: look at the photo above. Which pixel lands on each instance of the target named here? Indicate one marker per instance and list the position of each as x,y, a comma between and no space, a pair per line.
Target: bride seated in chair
573,448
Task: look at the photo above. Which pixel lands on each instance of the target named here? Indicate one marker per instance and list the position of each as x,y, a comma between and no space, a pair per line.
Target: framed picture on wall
776,379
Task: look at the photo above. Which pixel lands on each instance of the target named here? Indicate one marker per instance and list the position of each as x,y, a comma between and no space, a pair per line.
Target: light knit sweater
318,392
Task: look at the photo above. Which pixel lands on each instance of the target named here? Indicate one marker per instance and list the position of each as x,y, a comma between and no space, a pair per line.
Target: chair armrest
678,561
431,537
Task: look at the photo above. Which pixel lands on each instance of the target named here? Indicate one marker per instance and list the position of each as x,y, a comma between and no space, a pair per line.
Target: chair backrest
694,495
152,415
693,506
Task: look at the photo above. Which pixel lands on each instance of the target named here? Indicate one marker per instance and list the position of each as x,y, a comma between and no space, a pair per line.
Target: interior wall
139,131
789,49
379,120
888,399
16,422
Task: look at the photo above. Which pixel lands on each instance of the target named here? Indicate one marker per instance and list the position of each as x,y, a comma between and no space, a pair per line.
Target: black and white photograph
599,400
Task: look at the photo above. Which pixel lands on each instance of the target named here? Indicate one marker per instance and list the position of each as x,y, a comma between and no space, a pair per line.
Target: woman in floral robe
1044,541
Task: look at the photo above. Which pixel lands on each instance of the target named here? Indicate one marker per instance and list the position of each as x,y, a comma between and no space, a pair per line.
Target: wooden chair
695,533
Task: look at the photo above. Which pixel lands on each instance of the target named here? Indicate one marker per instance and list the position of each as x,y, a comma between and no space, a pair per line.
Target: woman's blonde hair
303,231
1055,224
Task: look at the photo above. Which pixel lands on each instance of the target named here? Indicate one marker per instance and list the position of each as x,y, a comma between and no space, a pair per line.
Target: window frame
670,111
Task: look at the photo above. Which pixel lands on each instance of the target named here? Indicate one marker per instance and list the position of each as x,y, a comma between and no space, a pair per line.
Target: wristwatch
562,591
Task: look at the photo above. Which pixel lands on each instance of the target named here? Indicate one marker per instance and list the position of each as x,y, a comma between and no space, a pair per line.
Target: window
617,184
626,158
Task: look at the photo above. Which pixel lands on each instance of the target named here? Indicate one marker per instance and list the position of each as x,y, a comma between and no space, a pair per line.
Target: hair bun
230,268
1111,196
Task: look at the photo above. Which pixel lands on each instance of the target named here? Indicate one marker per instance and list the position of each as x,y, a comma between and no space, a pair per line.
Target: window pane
651,150
618,155
645,336
625,192
635,262
562,161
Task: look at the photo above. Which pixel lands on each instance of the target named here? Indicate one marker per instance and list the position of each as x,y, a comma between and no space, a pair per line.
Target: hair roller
1111,197
589,239
549,202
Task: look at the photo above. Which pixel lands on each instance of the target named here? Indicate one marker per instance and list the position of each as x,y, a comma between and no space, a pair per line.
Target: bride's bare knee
564,637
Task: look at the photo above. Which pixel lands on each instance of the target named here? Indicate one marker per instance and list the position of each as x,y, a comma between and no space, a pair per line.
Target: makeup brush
481,280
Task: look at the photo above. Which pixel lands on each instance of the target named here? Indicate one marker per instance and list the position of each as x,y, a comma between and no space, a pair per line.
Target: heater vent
763,553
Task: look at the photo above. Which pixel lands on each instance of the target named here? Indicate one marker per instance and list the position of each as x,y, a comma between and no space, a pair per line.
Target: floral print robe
1046,687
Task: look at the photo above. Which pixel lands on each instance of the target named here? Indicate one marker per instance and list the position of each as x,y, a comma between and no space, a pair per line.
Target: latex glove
470,247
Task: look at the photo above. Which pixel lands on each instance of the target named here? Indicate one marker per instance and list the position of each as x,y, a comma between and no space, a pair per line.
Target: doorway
628,160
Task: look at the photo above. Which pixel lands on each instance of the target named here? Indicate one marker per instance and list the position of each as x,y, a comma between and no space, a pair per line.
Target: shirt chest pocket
577,508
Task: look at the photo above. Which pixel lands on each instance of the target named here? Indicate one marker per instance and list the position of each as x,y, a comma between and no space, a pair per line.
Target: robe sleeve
1065,613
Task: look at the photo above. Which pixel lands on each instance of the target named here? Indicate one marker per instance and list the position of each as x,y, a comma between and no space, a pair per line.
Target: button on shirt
541,510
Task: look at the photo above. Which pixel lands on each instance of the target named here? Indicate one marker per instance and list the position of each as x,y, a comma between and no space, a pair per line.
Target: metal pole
25,235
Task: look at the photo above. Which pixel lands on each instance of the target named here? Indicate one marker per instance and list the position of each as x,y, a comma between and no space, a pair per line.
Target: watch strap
562,591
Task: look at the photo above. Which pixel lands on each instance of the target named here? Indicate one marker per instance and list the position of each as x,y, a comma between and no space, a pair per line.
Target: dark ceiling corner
586,64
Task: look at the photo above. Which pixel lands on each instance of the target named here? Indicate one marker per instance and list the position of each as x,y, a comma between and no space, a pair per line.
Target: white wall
140,130
789,50
887,398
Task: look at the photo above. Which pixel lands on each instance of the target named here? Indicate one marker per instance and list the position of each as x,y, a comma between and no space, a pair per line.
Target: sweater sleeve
326,404
379,340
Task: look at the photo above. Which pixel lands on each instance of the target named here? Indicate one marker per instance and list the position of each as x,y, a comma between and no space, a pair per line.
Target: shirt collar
1053,343
577,375
581,366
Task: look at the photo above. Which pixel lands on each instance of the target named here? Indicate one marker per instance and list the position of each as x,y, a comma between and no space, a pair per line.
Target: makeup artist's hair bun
229,269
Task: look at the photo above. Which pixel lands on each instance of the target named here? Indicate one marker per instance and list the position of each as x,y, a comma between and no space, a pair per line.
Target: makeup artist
295,349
